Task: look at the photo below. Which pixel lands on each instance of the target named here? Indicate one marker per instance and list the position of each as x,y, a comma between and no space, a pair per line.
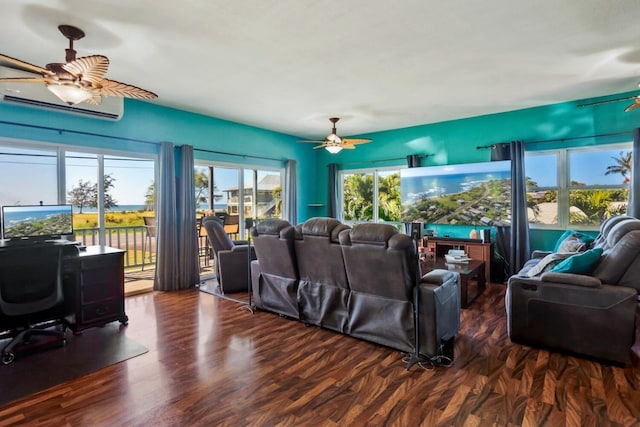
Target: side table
472,276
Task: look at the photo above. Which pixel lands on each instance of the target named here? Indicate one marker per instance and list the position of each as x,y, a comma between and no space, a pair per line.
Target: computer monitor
37,222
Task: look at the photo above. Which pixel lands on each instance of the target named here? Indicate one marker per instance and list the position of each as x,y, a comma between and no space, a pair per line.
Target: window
370,195
110,192
577,187
251,193
29,174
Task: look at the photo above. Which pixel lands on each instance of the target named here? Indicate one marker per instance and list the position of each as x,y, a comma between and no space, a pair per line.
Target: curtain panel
633,208
520,249
332,192
290,197
177,251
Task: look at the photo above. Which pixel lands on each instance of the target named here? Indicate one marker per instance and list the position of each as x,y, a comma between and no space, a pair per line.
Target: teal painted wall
445,142
148,122
456,141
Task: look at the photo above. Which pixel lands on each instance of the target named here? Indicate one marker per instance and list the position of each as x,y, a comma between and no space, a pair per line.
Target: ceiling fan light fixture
333,149
71,94
333,138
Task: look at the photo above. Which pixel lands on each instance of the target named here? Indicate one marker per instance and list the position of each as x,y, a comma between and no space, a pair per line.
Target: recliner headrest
320,226
372,234
620,229
271,226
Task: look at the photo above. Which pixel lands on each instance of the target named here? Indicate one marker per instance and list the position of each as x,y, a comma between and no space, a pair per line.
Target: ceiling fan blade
309,141
356,140
22,65
347,147
114,88
89,68
25,79
633,106
319,146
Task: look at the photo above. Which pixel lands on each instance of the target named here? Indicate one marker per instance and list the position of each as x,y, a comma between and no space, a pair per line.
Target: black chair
31,293
232,257
150,234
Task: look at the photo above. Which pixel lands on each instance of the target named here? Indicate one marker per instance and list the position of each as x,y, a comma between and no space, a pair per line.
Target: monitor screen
37,221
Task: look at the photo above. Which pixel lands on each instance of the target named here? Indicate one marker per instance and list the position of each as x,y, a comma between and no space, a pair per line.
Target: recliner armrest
437,277
572,279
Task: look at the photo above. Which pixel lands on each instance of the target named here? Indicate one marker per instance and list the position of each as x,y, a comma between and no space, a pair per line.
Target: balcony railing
139,245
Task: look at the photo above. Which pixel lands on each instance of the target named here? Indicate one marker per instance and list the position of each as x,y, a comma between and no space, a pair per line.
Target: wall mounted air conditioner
37,95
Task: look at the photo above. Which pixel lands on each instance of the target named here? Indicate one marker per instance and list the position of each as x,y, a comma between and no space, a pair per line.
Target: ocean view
137,208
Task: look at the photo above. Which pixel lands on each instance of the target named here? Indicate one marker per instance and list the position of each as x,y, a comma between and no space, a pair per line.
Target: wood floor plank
210,363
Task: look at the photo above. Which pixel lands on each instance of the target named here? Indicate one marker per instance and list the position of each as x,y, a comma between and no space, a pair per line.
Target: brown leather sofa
590,314
364,282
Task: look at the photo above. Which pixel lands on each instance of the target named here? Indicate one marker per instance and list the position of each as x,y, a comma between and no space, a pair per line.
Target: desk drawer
105,310
98,291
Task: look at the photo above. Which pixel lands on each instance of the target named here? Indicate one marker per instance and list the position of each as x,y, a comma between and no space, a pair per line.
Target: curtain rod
77,132
572,138
238,155
421,156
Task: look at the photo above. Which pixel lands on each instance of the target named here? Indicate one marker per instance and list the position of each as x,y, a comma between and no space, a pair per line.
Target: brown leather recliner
232,257
274,275
590,314
323,291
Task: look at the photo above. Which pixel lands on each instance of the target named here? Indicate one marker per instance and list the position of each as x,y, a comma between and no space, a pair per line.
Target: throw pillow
572,234
581,263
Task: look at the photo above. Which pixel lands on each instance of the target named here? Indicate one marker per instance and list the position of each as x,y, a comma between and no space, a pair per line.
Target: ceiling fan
79,79
334,143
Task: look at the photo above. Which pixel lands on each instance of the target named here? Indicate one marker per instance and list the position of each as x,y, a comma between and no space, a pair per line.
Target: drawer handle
101,311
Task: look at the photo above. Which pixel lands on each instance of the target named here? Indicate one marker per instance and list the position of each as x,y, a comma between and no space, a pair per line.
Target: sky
586,166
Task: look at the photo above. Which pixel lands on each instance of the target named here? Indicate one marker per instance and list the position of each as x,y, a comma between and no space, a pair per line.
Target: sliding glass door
241,195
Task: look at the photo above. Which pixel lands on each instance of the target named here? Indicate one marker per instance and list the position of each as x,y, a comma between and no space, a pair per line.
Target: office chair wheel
7,358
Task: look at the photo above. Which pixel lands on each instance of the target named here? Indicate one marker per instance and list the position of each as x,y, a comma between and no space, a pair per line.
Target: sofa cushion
573,241
581,263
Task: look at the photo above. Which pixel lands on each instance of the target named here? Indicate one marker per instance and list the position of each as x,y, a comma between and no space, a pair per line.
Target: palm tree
622,166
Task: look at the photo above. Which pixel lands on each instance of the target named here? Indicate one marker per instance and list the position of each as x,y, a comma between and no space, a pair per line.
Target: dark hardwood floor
212,364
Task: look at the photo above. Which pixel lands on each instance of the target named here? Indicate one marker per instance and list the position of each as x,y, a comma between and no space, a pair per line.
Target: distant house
267,204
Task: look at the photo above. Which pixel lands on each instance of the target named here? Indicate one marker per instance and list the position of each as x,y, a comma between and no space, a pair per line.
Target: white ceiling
289,65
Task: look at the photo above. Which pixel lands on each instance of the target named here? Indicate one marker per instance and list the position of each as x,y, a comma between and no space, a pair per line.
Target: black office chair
31,293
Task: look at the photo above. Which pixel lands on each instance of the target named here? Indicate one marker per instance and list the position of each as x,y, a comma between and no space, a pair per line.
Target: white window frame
376,198
564,187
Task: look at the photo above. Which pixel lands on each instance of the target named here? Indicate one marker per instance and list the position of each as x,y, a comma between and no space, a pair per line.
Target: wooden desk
93,288
472,276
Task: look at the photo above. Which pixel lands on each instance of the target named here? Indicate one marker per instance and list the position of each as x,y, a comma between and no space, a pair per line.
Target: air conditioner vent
61,107
37,95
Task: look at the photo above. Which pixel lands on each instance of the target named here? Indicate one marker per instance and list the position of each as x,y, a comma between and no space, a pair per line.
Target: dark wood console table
474,248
